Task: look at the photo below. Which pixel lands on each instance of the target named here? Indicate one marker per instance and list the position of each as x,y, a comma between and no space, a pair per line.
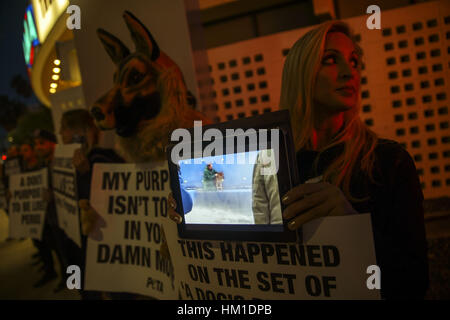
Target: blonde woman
357,172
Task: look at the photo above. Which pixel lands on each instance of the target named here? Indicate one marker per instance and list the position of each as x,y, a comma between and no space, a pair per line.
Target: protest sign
12,166
3,202
330,263
27,205
65,191
123,254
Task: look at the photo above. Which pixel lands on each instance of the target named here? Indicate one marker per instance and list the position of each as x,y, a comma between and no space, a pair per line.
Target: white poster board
27,205
123,254
65,191
330,263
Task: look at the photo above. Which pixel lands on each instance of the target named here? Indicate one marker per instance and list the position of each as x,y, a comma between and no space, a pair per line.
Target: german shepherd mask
149,98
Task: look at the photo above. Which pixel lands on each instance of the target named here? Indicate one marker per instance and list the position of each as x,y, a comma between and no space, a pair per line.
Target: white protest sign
3,202
12,166
27,205
131,200
65,191
331,263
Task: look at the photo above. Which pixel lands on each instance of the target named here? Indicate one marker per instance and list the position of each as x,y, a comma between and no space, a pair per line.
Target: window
441,96
390,61
252,100
241,115
358,38
414,130
423,70
417,26
250,86
433,38
258,57
432,156
443,110
239,103
221,65
403,44
446,154
400,132
435,53
398,118
237,89
263,85
393,75
424,84
426,99
434,169
409,87
447,19
406,73
388,46
266,110
404,58
227,105
285,52
421,55
395,89
235,76
443,125
431,141
365,94
431,23
369,122
387,32
439,82
445,139
246,60
232,63
436,183
418,157
419,41
411,101
428,113
415,144
248,73
412,116
437,67
261,71
420,172
255,112
265,98
364,80
430,127
366,108
401,29
396,103
229,117
225,92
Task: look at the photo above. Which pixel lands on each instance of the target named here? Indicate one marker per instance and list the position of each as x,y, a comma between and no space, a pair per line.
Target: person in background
78,126
53,237
209,176
28,155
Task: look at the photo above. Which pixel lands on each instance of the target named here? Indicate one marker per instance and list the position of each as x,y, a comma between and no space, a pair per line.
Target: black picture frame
287,178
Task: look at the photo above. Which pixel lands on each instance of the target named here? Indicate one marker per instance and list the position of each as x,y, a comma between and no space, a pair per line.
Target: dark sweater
395,204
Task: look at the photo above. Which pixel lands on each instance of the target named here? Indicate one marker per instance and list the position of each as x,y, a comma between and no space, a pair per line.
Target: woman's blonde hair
297,93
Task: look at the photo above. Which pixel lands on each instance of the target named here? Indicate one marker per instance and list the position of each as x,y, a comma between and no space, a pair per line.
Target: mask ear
113,46
142,38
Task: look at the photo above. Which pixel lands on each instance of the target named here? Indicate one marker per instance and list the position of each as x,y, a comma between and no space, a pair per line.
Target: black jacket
395,204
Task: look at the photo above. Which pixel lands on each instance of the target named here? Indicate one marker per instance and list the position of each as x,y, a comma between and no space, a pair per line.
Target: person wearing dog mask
78,126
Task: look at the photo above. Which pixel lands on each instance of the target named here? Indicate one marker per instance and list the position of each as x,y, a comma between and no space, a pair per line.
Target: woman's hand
314,200
171,210
80,161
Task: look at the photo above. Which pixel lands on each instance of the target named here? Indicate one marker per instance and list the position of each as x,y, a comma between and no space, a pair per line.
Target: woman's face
66,133
338,79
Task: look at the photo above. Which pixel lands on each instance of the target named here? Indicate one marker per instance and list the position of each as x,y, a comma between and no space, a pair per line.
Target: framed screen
228,179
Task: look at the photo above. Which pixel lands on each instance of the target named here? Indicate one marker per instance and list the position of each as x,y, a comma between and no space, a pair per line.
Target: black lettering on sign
115,180
124,254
